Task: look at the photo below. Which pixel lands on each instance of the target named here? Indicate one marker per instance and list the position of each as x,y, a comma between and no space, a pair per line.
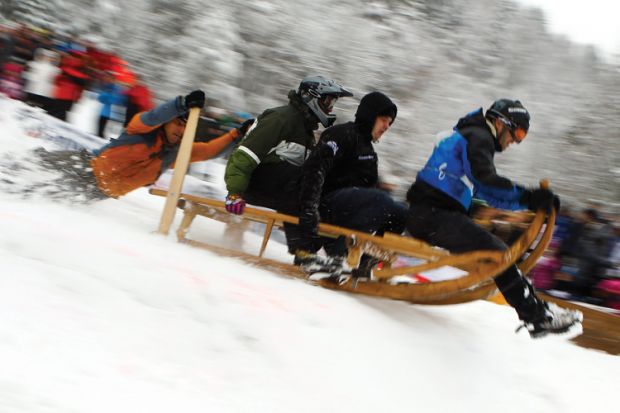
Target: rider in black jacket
340,178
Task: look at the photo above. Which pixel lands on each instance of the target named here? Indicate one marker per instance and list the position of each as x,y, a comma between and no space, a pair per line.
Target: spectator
544,273
7,45
114,99
139,99
39,78
592,252
68,85
11,82
24,46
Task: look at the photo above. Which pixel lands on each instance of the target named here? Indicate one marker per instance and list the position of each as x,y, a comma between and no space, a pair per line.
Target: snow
100,314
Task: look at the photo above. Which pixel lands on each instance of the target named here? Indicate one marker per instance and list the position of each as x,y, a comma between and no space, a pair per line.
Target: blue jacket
114,102
461,168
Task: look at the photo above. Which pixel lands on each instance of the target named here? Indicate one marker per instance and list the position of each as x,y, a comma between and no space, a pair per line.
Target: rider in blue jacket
461,168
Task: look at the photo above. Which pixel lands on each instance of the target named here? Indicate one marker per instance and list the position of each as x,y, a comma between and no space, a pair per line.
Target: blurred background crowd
582,262
54,71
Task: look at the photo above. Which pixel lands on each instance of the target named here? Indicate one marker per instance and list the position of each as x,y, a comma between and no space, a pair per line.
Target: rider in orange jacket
149,146
146,149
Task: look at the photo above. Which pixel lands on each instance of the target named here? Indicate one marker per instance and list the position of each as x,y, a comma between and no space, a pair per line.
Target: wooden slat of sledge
481,266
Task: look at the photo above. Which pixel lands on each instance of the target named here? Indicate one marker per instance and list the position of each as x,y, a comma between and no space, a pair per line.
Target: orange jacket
140,155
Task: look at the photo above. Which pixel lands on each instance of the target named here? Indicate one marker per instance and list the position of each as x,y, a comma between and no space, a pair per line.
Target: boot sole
566,333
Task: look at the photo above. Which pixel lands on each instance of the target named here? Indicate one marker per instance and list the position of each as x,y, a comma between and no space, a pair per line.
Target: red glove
235,204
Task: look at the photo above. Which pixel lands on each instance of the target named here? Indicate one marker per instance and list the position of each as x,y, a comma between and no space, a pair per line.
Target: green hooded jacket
281,134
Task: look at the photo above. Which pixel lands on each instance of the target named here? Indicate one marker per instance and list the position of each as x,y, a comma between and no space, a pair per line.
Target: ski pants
362,209
276,186
457,233
58,108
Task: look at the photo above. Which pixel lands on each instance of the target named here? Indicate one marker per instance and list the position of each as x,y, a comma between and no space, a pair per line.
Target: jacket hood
372,105
476,119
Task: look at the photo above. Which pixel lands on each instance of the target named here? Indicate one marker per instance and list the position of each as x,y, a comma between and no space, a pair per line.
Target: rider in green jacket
266,168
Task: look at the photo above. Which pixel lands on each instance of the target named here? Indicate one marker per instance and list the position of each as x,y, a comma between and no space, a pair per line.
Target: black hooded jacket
344,156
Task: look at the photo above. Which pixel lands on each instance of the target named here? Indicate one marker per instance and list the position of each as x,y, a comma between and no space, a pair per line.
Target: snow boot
554,320
312,263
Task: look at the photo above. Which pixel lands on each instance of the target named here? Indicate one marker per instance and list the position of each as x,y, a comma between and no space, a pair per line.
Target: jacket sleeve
316,168
238,172
495,189
201,151
147,121
253,149
508,199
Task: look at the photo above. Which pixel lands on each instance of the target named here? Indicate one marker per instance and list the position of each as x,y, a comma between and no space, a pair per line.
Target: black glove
540,199
243,129
195,99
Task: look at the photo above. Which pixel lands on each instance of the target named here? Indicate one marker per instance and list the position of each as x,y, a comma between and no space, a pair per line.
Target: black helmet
316,91
512,111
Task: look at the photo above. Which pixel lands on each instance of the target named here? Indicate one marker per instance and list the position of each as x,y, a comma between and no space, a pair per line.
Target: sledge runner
339,185
266,168
145,149
461,167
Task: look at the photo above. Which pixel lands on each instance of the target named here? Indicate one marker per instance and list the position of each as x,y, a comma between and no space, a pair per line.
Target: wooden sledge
480,266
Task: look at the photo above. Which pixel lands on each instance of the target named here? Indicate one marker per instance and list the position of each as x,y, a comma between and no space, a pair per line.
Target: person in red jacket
68,85
139,99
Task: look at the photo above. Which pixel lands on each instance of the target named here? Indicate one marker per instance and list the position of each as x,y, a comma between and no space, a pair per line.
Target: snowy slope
99,314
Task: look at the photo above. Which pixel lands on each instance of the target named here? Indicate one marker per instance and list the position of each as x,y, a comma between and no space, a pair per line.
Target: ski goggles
517,133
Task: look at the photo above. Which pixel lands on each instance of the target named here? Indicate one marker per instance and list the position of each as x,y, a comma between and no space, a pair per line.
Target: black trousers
59,108
458,233
276,186
38,100
101,126
362,209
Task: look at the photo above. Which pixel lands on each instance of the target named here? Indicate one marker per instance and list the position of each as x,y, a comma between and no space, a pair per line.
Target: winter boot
539,317
312,263
554,320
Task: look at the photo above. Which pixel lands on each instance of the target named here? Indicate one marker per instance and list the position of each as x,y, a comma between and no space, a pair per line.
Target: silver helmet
320,94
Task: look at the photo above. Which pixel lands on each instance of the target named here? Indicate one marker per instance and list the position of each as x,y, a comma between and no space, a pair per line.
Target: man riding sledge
340,185
266,168
462,167
144,150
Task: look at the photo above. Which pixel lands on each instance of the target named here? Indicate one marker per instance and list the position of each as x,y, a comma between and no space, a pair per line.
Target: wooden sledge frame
481,266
